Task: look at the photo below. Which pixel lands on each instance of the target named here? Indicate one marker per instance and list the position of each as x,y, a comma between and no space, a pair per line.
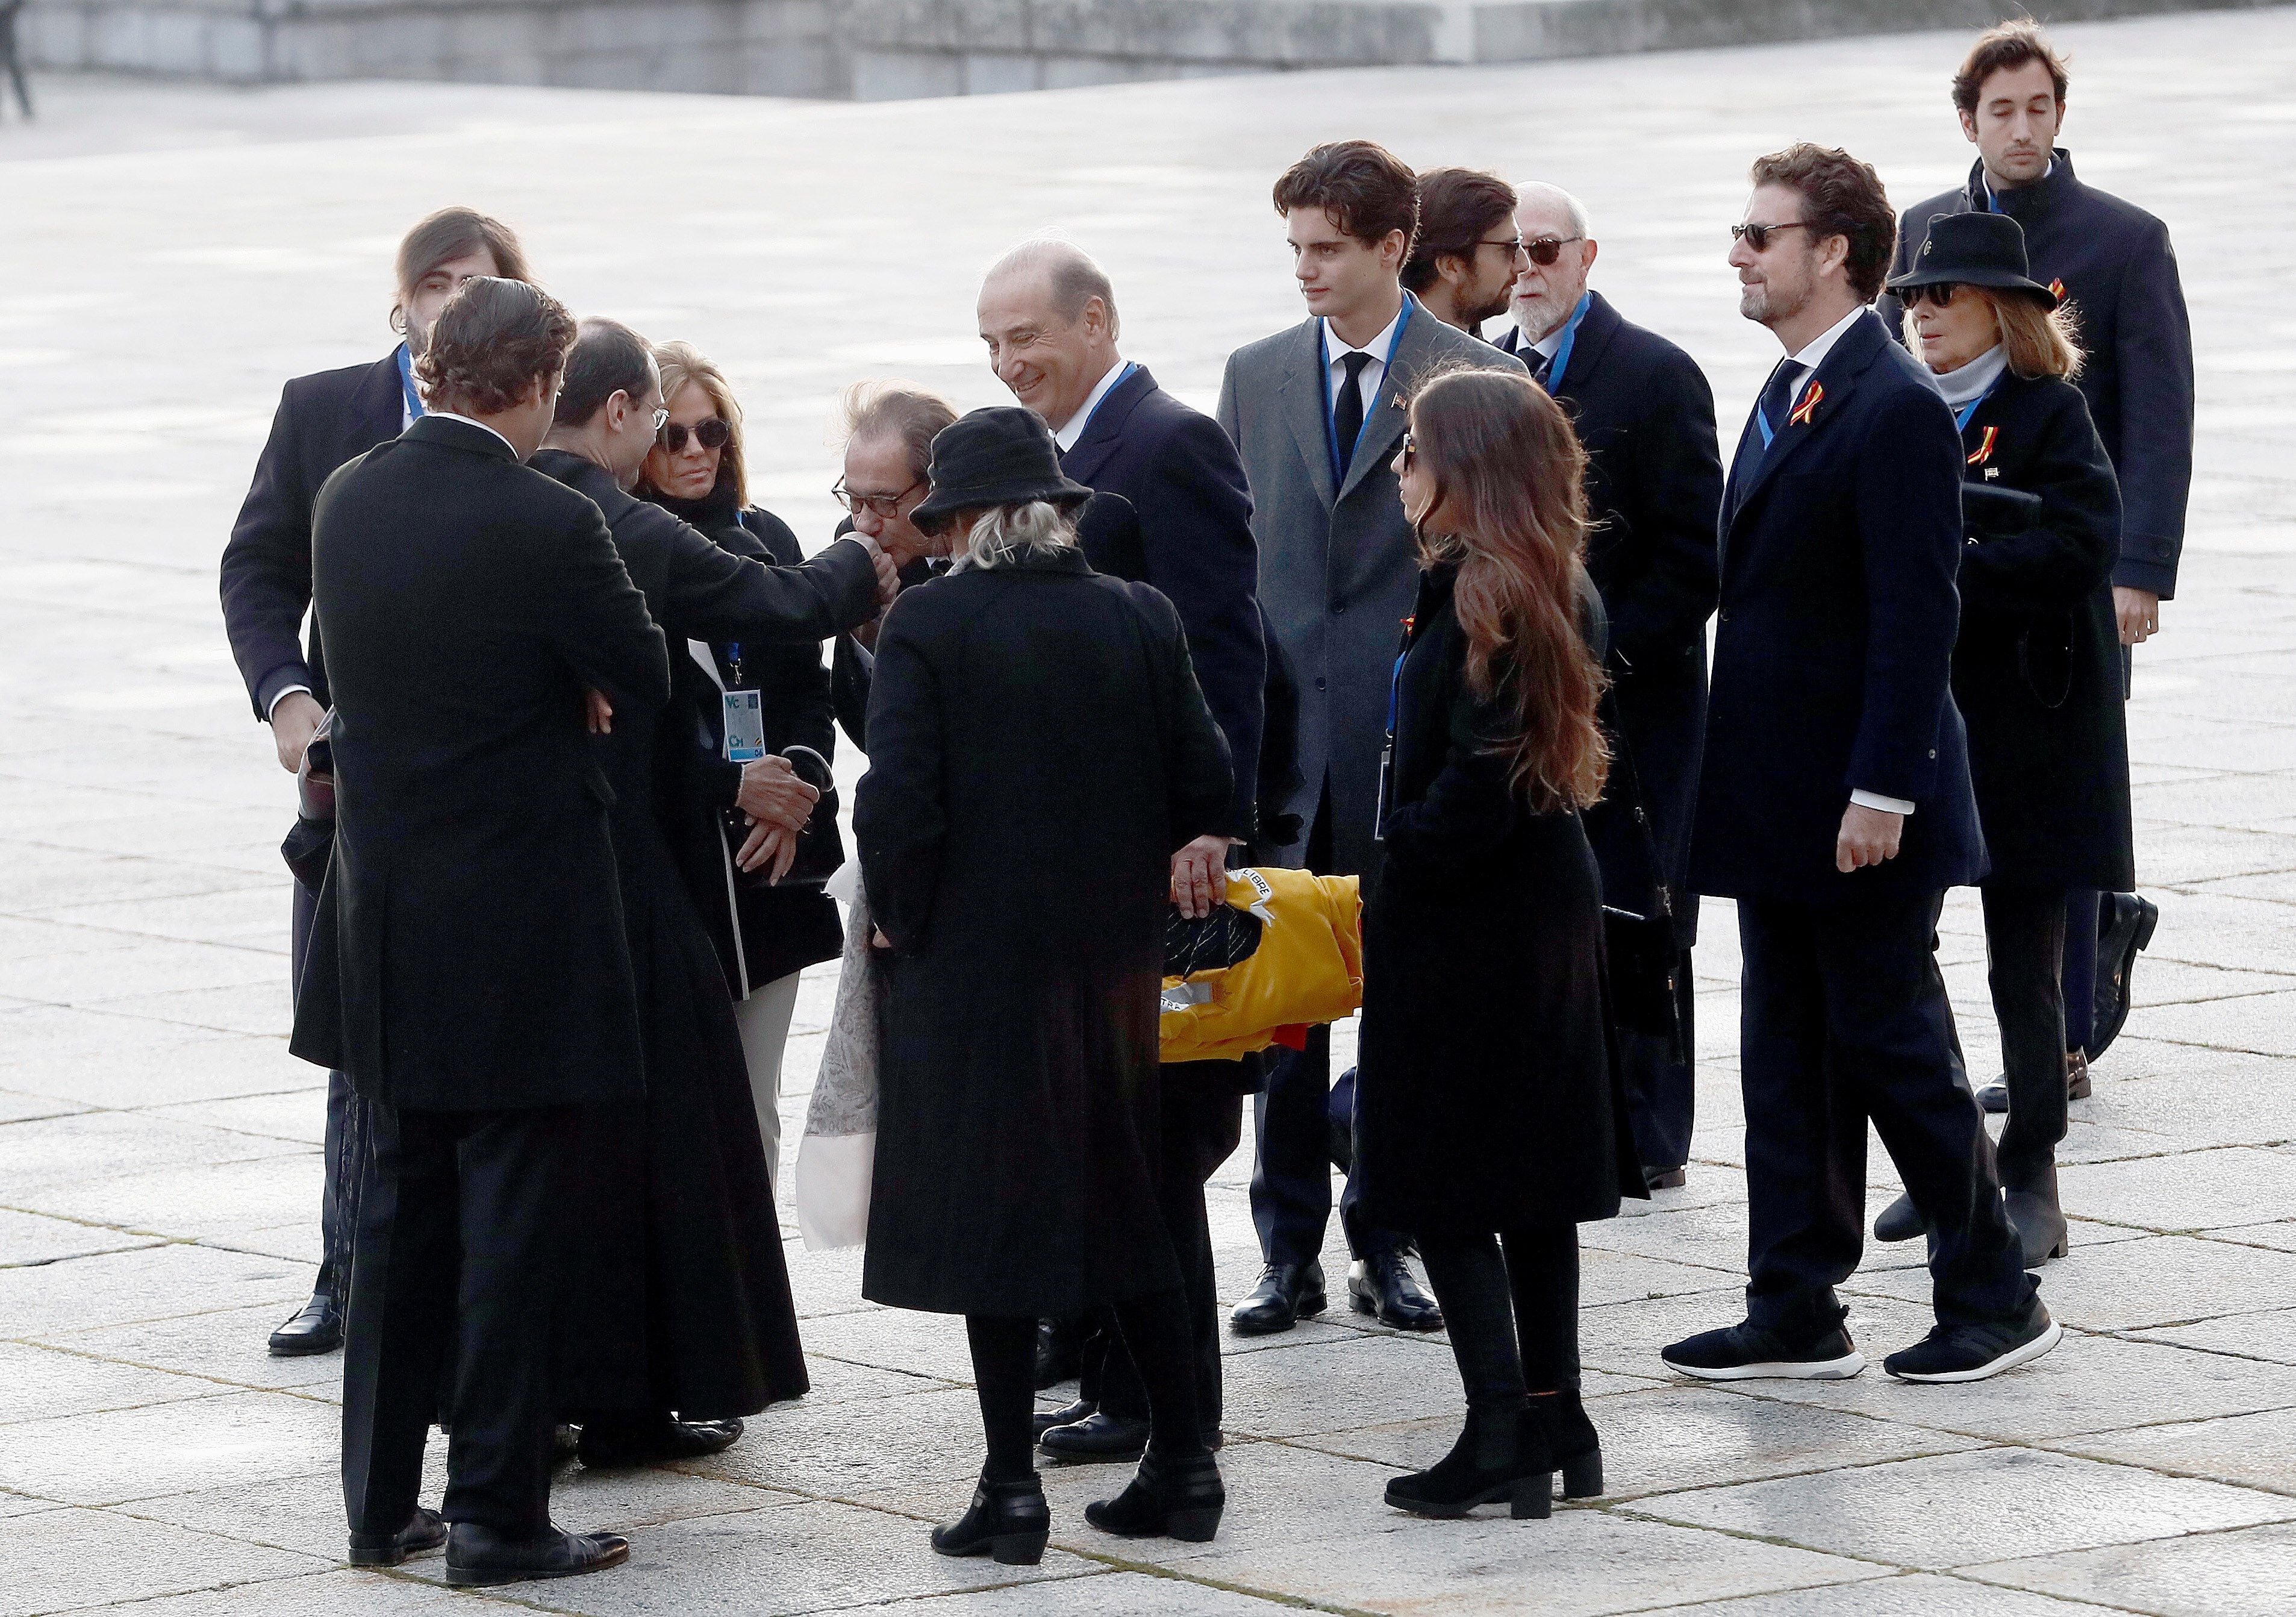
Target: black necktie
1539,372
1347,410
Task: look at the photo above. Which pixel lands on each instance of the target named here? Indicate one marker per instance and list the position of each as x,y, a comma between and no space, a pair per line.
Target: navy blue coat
1182,476
323,421
1645,413
1833,653
2119,272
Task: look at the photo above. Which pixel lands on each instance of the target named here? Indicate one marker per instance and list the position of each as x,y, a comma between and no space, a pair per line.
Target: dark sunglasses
1544,250
710,434
1939,292
886,505
1757,236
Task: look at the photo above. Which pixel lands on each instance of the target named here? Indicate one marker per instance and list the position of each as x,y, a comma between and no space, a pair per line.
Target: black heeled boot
1008,1521
1572,1444
1501,1454
1167,1498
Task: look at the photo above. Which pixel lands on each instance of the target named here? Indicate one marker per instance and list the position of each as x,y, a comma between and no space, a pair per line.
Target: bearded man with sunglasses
1835,806
1646,414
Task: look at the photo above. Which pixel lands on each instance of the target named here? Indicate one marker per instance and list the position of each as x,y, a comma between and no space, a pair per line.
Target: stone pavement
158,1166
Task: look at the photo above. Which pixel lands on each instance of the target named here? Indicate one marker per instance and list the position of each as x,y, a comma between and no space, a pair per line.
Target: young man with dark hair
1465,258
1835,806
468,970
2112,264
1316,413
325,419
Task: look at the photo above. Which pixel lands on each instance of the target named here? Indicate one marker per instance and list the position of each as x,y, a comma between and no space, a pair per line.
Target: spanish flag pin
1984,451
1807,407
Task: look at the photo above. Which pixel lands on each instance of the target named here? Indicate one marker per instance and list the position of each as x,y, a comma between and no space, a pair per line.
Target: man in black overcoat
325,419
469,967
1835,806
1646,414
2112,263
1047,313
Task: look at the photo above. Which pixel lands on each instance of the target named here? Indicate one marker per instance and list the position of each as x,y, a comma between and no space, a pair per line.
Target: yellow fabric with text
1307,969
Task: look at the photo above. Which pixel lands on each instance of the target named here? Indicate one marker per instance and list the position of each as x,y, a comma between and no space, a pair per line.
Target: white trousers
765,1022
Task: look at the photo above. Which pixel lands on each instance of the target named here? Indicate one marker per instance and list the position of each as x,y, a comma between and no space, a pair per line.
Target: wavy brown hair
1509,477
494,340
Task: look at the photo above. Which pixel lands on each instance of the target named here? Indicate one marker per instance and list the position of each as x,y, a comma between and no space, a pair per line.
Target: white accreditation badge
745,727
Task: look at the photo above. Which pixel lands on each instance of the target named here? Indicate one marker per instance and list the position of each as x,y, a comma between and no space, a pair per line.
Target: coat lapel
1821,400
1301,401
1588,347
1103,431
1384,422
378,405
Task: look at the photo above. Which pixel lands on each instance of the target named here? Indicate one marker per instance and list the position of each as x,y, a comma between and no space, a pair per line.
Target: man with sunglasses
1646,414
1834,806
1464,261
2111,263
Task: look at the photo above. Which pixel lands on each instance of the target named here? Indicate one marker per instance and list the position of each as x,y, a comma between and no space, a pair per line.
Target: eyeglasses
1513,245
1544,250
660,415
1410,451
1939,292
710,434
886,505
1757,236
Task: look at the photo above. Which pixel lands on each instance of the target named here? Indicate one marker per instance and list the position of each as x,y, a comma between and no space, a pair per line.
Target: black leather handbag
820,847
1643,957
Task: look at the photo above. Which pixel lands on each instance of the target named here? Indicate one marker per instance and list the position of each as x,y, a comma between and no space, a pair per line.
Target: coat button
1338,607
1319,682
1726,617
1932,752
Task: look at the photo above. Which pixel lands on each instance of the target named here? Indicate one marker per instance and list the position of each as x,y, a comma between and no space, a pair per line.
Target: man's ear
1452,268
1392,246
1969,125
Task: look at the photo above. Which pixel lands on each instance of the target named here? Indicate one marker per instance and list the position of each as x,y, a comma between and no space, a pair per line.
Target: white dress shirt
1072,428
1335,347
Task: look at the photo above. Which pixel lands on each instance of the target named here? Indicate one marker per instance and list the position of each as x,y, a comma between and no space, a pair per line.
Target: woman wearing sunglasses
1490,1117
764,936
2036,670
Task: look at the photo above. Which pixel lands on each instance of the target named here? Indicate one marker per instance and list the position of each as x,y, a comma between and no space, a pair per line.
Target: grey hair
1539,191
1074,276
1004,534
900,410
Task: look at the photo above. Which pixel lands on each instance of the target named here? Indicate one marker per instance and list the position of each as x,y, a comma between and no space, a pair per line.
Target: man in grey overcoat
1317,412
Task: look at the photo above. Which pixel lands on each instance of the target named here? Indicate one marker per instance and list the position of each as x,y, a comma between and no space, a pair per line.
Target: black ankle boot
1571,1442
1500,1455
1166,1498
1007,1520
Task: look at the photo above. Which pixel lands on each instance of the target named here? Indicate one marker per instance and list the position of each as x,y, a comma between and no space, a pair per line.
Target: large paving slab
165,267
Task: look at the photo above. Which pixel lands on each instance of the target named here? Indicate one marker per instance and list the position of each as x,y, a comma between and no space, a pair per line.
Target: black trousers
2079,979
460,1262
1292,1133
344,1155
1154,1330
2024,949
1202,1127
1845,1018
1661,1088
1513,1320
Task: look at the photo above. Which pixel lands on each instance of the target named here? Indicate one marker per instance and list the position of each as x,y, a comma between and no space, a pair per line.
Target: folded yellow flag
1307,969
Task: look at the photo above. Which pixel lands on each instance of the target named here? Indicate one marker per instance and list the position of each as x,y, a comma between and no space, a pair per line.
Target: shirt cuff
1887,804
284,692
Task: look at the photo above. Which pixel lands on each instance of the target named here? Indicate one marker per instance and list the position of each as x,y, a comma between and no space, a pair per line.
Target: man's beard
1534,319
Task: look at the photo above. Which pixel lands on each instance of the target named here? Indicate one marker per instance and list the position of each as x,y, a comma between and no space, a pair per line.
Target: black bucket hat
1984,250
1002,455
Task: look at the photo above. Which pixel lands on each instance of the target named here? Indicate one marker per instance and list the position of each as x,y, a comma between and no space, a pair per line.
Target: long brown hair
1511,476
681,362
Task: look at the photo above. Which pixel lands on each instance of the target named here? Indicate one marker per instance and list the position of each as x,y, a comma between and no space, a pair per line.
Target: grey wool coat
1338,566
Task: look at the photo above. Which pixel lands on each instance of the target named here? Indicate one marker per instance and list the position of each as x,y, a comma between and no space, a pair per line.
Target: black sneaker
1973,1352
1746,1352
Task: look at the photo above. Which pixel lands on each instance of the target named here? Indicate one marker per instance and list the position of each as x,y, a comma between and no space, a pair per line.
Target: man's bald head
1544,294
1554,211
1049,315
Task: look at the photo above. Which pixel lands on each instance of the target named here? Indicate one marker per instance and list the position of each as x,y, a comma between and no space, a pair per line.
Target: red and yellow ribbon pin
1984,451
1807,407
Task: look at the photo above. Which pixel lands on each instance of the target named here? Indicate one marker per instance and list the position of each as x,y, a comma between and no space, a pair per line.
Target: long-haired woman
1490,1118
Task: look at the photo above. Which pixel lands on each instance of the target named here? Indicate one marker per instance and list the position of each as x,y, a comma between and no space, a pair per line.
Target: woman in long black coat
2036,671
1490,1112
1039,750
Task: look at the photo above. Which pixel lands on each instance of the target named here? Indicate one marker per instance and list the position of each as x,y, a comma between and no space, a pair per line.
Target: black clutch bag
1989,509
820,848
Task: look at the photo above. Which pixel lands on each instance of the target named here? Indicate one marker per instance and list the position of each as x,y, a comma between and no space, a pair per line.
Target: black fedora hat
1984,250
1002,455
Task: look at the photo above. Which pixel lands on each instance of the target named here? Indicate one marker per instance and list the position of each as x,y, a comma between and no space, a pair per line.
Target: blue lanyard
1084,425
407,383
1561,360
1386,367
1963,412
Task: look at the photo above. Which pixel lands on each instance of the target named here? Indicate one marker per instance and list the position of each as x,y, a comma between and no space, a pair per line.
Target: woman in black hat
1038,750
2036,669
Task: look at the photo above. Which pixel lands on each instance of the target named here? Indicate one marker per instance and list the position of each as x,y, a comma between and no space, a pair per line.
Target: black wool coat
762,934
1180,474
1039,750
2036,669
1644,413
471,925
322,420
1832,654
2117,270
1488,1096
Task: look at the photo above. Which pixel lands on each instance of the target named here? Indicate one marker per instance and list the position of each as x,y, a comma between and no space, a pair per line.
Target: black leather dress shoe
1994,1098
1097,1438
423,1533
2123,931
652,1440
318,1329
1285,1291
1060,1350
1067,1415
479,1556
1382,1285
1900,1220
